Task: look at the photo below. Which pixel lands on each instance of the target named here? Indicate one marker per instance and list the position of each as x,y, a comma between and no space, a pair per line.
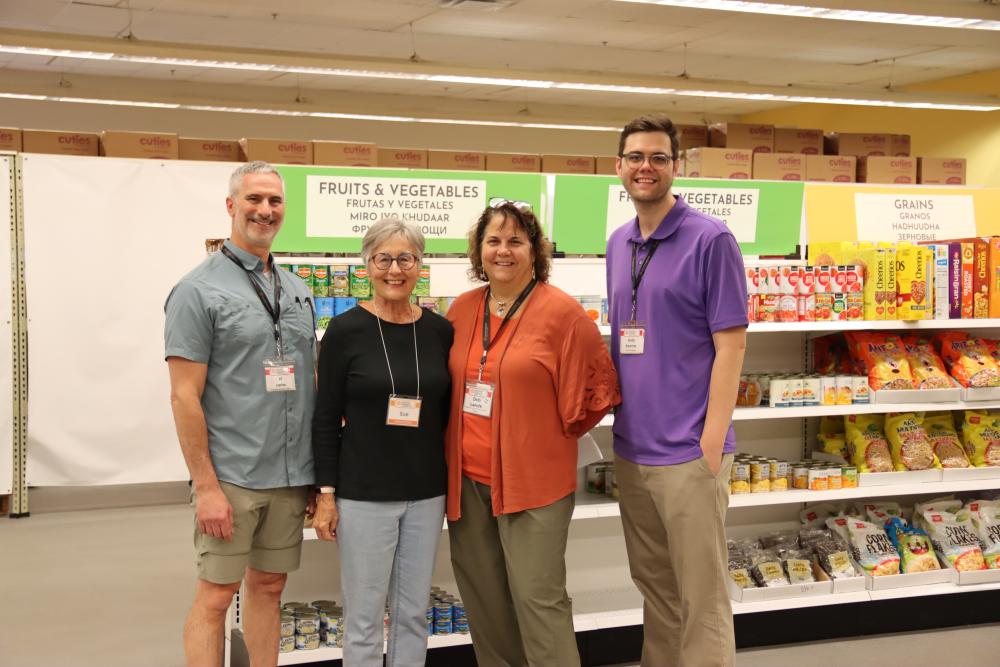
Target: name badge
403,411
279,375
632,338
478,398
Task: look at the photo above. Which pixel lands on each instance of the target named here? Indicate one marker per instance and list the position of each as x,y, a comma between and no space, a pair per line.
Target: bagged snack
927,367
968,359
994,347
872,548
987,524
766,568
878,516
955,539
834,558
815,516
807,536
943,504
885,360
975,506
830,355
981,437
888,507
908,443
779,540
838,526
739,566
834,443
831,425
867,444
914,546
944,440
798,566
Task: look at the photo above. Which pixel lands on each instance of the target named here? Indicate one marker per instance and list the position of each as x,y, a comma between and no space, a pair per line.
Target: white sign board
737,207
346,206
914,217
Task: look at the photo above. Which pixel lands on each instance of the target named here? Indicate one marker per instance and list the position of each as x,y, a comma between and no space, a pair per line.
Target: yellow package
925,364
981,434
834,443
908,442
890,280
875,265
912,295
867,444
829,425
947,446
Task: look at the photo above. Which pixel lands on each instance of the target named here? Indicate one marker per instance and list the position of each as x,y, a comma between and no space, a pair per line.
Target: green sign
329,209
765,216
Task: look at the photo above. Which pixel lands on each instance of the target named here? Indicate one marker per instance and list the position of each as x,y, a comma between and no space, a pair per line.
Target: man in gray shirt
240,347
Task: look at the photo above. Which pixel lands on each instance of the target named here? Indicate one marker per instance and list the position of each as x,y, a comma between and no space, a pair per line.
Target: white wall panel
6,375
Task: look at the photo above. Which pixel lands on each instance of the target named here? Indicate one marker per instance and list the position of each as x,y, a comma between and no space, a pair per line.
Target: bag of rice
955,539
947,446
916,552
981,437
968,359
867,444
925,364
908,443
872,548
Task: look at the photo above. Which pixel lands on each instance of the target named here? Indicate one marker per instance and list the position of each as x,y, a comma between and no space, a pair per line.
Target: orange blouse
477,433
555,382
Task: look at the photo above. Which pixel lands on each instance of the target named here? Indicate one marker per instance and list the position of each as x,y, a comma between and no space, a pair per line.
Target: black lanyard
487,342
275,310
637,276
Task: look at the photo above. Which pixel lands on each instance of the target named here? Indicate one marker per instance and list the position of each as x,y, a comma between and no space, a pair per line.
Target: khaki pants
511,573
674,522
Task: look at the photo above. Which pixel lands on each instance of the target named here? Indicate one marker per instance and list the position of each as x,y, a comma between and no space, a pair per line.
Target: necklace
501,306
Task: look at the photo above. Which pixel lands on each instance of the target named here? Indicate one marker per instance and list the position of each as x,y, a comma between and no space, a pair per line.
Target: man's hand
311,503
713,456
325,520
214,514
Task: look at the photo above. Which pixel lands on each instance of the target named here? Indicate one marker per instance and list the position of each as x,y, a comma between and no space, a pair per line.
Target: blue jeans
387,549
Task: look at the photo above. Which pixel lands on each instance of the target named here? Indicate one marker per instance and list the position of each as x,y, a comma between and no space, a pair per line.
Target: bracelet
326,489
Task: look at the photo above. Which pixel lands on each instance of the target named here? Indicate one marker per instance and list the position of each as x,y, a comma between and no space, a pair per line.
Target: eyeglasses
383,260
656,160
497,202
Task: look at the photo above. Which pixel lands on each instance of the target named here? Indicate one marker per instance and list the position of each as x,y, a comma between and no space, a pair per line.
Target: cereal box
993,267
890,283
968,278
911,280
981,281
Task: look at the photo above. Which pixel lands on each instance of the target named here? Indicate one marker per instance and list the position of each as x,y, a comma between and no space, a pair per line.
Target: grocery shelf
870,325
750,414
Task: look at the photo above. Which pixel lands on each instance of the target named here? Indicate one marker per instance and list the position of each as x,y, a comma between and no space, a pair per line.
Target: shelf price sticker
737,207
914,217
346,206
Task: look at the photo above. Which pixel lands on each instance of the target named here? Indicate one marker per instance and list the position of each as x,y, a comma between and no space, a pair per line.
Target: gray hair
385,229
255,167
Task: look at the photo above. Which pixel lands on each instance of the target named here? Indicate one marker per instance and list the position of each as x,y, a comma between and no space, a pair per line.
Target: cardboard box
459,160
513,162
10,139
403,158
718,163
968,278
779,166
993,266
948,171
345,154
900,145
61,143
980,280
209,150
912,294
152,145
604,165
277,151
758,138
891,297
955,280
691,136
876,169
834,168
793,140
858,144
568,164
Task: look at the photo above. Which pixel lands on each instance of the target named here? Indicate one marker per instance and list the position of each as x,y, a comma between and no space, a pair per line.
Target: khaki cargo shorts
267,534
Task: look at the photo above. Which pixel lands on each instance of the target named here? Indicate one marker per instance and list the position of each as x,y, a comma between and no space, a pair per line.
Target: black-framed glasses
497,202
656,160
383,260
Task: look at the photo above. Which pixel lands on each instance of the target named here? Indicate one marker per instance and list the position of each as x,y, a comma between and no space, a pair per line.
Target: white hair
385,229
255,167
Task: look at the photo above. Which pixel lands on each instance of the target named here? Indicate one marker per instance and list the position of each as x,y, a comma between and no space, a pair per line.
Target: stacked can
753,293
329,621
305,618
823,476
287,632
788,303
442,618
807,294
459,621
770,293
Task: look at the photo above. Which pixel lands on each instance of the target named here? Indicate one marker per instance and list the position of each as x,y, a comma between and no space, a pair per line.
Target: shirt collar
250,261
670,223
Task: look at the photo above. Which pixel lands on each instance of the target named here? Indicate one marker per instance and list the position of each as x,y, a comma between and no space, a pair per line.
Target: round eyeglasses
656,160
383,260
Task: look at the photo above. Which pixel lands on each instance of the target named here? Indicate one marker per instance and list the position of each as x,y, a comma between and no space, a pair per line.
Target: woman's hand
325,521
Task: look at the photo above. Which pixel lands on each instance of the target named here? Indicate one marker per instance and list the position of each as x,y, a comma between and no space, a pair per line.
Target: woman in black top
378,442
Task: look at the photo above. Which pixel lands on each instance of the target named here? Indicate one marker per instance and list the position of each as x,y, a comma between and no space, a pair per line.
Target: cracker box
208,150
456,160
833,168
151,145
277,151
756,138
793,140
60,143
911,282
734,163
939,170
403,158
778,166
345,153
521,162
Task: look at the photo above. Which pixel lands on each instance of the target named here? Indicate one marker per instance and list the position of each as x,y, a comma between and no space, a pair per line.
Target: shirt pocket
238,323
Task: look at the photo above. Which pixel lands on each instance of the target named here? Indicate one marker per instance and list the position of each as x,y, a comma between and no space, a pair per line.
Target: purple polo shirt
693,287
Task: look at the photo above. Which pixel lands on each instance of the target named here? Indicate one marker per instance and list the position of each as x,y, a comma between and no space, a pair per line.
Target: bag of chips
885,360
955,539
987,524
872,548
916,552
968,359
927,367
908,442
944,440
867,444
981,437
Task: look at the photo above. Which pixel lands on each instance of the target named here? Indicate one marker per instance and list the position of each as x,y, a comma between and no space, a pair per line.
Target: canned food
306,623
609,481
292,606
287,625
740,477
442,618
845,389
828,390
760,470
331,639
800,476
818,479
849,477
779,395
812,390
860,391
833,478
321,280
287,644
595,476
324,604
307,642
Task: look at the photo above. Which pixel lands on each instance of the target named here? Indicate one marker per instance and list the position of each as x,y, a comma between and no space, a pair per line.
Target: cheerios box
912,301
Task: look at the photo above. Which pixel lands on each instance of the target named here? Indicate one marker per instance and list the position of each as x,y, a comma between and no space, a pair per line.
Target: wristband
326,489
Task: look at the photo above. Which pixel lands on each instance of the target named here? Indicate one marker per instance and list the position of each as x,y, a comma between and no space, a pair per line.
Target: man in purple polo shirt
677,298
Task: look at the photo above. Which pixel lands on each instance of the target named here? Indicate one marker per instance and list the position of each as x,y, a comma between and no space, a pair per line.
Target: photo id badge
478,398
403,411
632,338
279,375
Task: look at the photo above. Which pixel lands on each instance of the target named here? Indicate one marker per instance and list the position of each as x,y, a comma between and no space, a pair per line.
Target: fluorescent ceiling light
307,114
900,101
805,11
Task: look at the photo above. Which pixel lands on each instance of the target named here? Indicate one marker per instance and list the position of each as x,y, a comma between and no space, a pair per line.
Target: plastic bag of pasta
981,437
885,360
872,548
908,442
916,553
968,359
944,440
867,444
955,539
928,368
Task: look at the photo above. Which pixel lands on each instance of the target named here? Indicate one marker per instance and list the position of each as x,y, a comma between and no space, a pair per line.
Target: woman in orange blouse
517,410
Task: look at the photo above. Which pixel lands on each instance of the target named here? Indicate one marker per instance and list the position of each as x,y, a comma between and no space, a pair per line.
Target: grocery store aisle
109,588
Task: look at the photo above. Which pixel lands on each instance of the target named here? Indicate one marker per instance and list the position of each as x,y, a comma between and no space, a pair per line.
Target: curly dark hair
525,220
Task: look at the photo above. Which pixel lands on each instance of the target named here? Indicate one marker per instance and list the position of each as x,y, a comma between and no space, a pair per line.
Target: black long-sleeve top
364,458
